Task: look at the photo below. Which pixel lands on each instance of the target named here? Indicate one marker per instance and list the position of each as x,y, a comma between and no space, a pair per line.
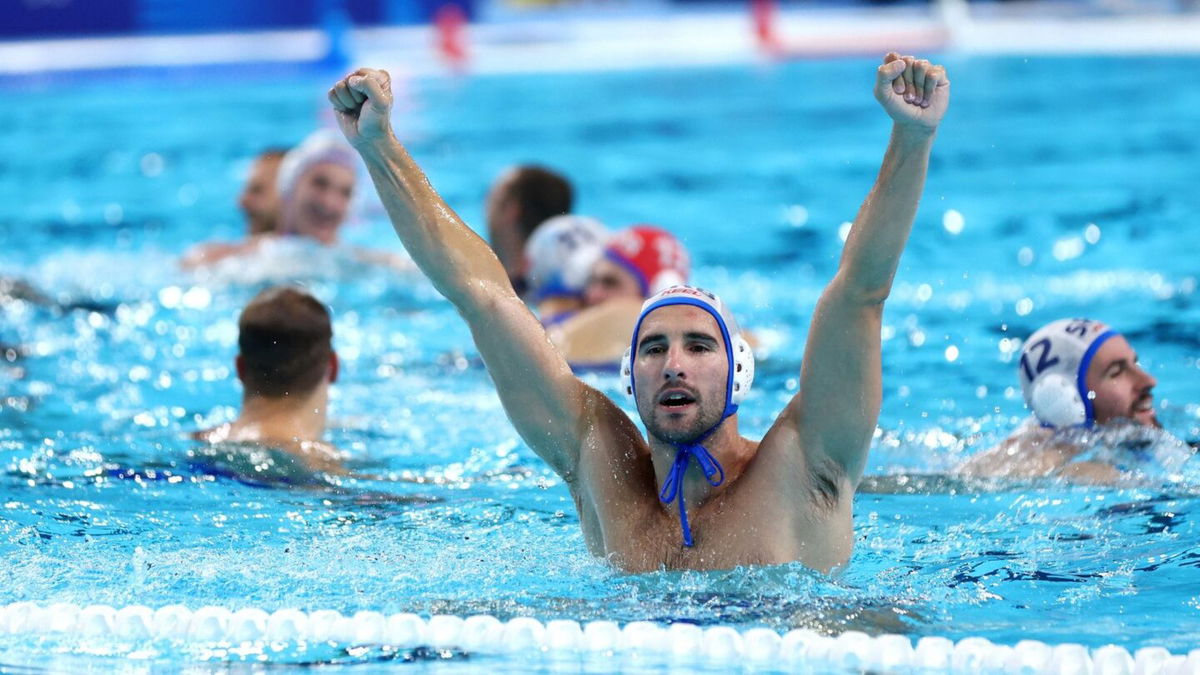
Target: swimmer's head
259,198
316,184
285,345
688,366
638,262
1078,372
520,200
560,254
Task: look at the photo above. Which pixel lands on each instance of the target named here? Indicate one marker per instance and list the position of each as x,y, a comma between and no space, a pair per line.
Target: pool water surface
1052,193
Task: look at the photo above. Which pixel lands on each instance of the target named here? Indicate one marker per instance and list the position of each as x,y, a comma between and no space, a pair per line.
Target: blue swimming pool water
1059,186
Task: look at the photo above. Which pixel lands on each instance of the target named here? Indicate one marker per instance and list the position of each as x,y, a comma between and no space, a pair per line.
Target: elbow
479,299
859,293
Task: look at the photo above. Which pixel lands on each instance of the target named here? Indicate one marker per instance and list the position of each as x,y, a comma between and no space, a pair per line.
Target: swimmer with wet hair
521,199
695,494
286,364
1076,375
259,199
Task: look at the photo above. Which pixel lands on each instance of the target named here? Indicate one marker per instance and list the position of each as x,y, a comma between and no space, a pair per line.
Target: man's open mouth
1144,404
675,398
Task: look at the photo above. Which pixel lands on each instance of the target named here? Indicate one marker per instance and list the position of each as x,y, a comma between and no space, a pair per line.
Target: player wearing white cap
694,493
1075,374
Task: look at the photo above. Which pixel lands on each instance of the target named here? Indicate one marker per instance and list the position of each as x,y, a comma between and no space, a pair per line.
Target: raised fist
363,103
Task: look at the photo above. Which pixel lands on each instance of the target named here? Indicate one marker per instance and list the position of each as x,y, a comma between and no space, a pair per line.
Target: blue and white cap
737,385
560,254
1053,371
737,350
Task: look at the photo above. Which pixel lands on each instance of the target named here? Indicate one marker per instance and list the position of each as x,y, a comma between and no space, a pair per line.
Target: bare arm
836,410
541,396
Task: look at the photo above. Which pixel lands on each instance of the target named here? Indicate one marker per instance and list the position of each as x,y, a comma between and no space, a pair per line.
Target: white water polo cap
737,350
1053,371
323,146
561,253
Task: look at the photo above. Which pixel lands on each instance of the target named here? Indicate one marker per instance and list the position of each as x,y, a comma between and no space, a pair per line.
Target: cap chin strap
735,388
673,486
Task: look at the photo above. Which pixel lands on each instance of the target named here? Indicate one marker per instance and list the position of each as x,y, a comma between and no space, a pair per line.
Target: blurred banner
79,18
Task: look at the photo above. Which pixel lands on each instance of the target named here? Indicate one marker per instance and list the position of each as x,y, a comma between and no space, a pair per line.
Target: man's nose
673,368
331,201
1145,379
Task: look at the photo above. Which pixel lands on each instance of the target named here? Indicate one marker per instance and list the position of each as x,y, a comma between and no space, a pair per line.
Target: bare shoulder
610,437
1030,452
614,480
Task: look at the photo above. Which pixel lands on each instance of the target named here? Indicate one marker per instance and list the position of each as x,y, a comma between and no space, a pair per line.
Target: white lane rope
756,648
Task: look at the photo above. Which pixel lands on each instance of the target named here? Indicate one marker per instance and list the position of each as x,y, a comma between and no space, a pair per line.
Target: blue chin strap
714,473
672,490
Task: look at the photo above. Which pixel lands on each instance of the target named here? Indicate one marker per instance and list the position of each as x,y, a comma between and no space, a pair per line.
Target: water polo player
1075,374
695,494
634,264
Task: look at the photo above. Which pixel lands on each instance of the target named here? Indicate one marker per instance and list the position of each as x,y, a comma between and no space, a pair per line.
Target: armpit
825,479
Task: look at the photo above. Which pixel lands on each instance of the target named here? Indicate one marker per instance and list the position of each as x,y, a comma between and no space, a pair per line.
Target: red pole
763,12
450,22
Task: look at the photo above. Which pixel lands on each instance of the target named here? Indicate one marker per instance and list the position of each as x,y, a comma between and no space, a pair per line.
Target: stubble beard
672,433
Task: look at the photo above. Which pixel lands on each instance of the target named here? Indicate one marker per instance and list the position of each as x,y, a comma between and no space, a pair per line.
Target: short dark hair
541,194
285,339
273,153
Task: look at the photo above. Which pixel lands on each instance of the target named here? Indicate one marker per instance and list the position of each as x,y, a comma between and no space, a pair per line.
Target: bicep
541,396
837,407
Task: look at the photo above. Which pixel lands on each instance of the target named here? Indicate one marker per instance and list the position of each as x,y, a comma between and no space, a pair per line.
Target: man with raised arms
645,504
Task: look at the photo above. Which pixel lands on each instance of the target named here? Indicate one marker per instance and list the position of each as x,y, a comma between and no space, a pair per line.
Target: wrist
375,145
913,135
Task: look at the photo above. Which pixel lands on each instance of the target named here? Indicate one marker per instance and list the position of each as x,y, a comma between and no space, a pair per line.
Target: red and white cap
654,256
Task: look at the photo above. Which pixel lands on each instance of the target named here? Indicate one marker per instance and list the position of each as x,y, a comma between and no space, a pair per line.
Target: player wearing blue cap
695,493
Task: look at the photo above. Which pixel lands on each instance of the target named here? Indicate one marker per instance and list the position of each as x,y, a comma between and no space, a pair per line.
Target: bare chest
727,532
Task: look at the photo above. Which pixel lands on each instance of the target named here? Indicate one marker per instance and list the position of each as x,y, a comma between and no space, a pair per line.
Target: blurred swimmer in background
314,187
558,259
259,202
634,264
259,199
522,198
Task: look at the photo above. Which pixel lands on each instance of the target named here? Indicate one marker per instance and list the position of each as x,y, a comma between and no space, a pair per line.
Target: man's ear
240,366
333,367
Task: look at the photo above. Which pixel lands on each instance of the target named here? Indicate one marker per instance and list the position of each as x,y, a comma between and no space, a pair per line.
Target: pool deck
557,41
